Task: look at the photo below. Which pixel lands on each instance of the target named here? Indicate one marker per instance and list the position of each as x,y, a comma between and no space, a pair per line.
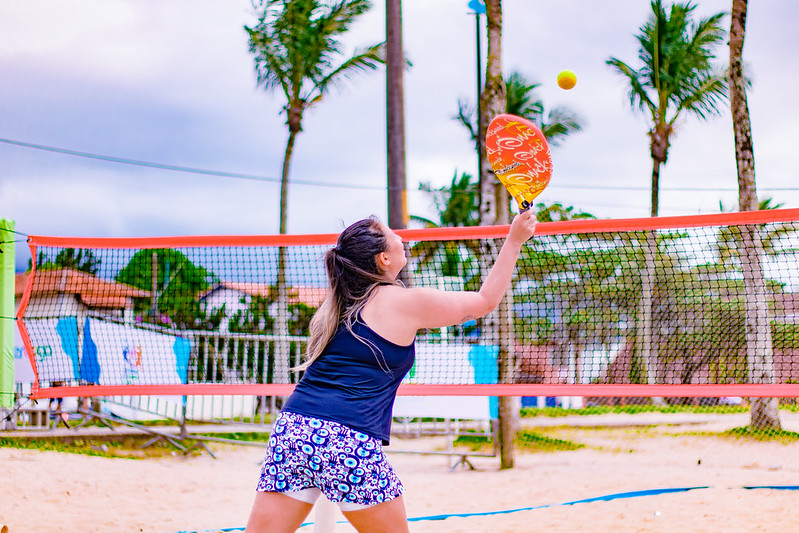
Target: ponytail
353,275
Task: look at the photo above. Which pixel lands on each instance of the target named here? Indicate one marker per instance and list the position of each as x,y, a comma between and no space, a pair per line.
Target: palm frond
466,116
636,92
362,60
561,123
519,98
270,64
706,98
522,100
425,222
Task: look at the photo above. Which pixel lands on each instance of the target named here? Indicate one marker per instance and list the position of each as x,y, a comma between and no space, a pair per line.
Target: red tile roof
310,296
93,291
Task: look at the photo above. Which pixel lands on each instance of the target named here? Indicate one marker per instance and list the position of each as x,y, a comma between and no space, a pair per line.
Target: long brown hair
353,274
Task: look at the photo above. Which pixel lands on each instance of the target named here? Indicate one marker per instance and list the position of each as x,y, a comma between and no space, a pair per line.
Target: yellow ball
567,79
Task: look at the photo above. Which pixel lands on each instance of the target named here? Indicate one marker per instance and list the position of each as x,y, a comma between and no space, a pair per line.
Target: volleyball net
697,306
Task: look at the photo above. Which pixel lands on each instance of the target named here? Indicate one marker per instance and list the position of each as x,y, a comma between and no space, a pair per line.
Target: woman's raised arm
420,308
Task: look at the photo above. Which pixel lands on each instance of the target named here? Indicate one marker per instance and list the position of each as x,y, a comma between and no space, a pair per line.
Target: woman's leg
273,512
386,517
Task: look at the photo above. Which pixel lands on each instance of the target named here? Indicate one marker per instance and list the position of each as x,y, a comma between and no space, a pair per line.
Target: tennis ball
567,79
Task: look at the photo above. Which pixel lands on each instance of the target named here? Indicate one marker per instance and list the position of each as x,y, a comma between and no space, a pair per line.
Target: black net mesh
714,304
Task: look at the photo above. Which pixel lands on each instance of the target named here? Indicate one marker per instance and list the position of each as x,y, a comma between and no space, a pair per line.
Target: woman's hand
522,227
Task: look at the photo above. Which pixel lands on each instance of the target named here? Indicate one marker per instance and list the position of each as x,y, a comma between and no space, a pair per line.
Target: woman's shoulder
399,292
388,292
389,313
399,298
387,300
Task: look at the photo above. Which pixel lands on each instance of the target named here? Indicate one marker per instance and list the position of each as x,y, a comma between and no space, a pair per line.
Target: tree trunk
764,412
659,140
744,151
282,355
759,351
494,202
655,193
644,323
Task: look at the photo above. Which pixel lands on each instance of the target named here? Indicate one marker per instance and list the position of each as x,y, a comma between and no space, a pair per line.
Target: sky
173,83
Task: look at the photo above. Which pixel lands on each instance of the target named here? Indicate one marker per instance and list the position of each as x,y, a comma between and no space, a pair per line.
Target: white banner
116,354
55,345
451,363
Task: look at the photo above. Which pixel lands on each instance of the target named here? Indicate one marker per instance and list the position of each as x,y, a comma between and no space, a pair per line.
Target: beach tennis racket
519,154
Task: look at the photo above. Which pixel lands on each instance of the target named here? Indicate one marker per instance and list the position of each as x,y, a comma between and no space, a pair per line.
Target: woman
328,437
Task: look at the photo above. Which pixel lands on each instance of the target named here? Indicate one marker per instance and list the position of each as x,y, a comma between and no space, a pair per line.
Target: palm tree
522,101
728,240
456,205
676,75
296,47
80,259
494,209
759,348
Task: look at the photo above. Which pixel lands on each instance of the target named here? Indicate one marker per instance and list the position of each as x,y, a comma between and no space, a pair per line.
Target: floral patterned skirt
345,464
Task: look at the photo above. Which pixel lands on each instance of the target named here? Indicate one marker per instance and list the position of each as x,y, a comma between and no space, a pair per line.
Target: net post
6,314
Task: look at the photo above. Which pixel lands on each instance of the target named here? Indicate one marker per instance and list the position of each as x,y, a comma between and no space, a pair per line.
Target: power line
177,168
237,175
662,189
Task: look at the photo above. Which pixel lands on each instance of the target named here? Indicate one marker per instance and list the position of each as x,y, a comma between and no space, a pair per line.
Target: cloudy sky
172,83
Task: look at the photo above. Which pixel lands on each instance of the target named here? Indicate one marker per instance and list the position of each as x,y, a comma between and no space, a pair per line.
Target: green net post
6,313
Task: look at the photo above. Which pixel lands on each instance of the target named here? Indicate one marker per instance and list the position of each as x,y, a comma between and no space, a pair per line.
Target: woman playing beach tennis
329,435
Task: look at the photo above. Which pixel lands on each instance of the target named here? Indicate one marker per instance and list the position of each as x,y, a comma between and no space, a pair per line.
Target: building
236,297
71,292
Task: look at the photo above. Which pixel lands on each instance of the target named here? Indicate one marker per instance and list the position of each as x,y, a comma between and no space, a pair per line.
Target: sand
59,492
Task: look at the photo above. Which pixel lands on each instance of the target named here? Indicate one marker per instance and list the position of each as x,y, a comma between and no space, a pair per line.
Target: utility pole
479,8
154,295
395,117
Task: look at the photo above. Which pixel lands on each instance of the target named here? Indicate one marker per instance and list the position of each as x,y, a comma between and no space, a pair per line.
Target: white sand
58,492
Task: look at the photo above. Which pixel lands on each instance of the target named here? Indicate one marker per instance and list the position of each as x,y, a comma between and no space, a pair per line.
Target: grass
126,447
531,412
531,441
749,433
130,446
170,422
526,440
248,436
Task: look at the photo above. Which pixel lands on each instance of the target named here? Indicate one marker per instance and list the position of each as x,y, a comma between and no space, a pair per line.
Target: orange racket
519,154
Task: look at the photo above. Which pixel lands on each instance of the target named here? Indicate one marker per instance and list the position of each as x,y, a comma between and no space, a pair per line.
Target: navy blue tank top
354,381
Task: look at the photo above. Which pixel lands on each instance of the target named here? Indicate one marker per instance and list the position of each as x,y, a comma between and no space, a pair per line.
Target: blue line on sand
607,497
776,487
